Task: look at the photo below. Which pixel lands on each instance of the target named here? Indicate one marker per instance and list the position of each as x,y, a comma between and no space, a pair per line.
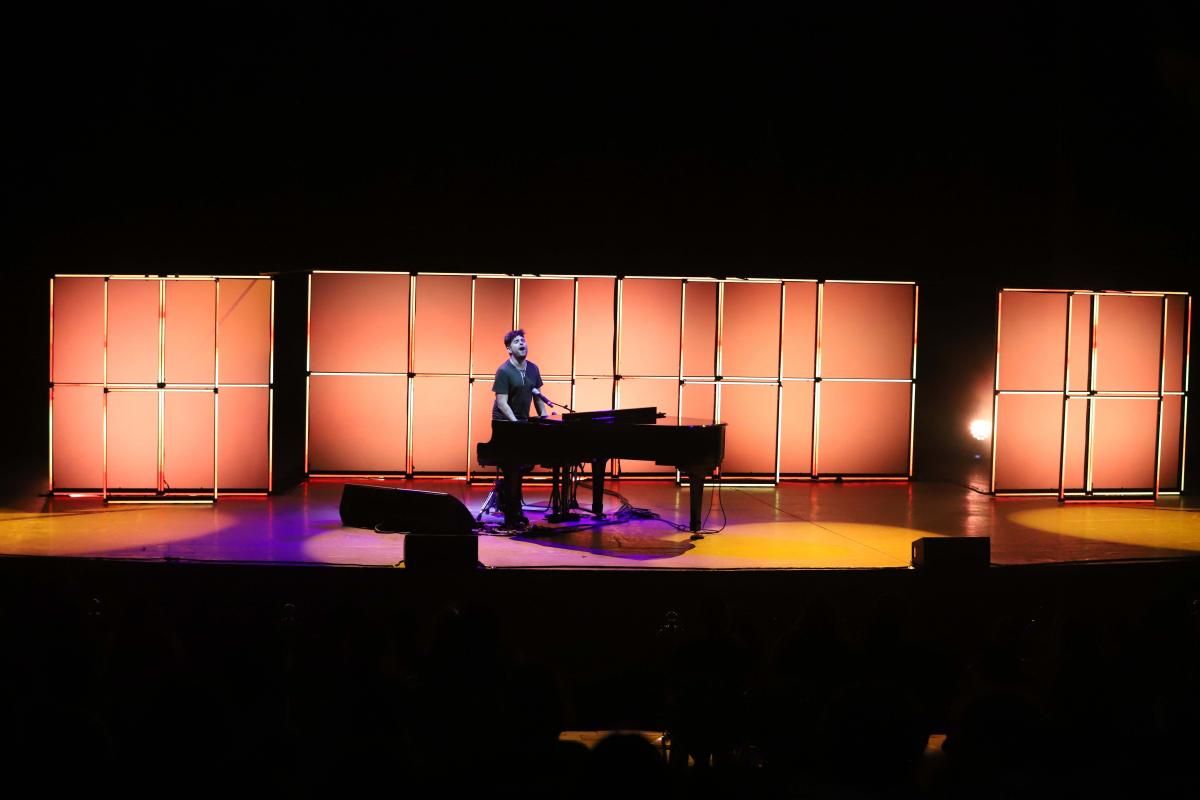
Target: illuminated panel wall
160,387
814,378
1090,393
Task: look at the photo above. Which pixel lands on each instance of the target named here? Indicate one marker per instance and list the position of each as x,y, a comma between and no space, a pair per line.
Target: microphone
548,401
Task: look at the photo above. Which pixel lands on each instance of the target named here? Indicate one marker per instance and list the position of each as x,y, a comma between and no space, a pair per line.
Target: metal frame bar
814,464
471,365
1093,360
1162,376
1187,369
104,460
408,378
996,389
50,453
271,402
779,384
1066,401
912,409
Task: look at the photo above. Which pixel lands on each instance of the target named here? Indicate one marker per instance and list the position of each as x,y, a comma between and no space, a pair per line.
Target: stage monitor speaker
952,554
392,510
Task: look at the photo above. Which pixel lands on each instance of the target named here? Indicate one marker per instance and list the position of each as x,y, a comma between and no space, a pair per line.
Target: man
515,381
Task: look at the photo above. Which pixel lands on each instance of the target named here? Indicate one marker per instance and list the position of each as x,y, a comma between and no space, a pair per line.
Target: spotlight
981,429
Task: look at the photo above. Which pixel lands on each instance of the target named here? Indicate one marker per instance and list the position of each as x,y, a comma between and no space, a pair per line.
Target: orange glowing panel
439,429
1033,332
244,331
663,395
593,394
189,332
442,328
188,436
650,311
78,437
699,403
1124,441
133,331
594,327
132,440
357,423
751,413
1081,341
795,444
1128,343
547,306
1028,441
1173,355
358,323
700,329
750,330
1168,475
1074,479
78,355
799,329
243,422
494,298
864,428
867,331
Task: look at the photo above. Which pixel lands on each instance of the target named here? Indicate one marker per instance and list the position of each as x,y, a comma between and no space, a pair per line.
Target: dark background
967,146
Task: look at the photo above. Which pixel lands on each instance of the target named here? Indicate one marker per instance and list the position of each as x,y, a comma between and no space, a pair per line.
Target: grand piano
694,448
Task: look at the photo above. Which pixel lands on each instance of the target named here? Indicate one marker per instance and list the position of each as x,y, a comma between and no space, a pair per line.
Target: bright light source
981,429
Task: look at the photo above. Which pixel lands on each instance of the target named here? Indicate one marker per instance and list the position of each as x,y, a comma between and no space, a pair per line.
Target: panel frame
161,493
1092,395
476,372
819,378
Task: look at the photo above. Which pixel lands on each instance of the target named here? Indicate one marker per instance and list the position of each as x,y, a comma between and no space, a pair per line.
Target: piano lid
634,416
618,416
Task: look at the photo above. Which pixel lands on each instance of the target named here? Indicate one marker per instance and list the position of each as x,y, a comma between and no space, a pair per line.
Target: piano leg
560,496
510,503
598,487
695,497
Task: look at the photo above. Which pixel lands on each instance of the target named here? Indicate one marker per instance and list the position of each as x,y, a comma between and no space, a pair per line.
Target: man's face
517,347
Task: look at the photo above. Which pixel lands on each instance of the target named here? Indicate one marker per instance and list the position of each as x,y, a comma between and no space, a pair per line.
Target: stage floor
791,526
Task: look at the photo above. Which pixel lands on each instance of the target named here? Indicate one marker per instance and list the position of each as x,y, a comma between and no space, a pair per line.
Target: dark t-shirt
518,390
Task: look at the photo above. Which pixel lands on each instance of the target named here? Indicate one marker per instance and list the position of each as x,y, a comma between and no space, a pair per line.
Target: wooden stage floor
791,526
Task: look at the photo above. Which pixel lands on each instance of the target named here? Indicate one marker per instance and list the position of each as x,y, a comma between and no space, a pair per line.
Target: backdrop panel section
814,378
161,387
1090,393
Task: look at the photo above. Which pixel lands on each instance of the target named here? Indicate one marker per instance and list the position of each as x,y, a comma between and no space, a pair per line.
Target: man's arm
505,408
540,405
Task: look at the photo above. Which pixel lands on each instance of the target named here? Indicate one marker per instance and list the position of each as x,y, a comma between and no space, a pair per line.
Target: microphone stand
561,494
553,404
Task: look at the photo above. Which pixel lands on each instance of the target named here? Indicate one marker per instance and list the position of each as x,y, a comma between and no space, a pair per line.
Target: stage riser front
608,635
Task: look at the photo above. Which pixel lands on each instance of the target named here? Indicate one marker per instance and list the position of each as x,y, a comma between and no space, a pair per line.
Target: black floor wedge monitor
392,510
